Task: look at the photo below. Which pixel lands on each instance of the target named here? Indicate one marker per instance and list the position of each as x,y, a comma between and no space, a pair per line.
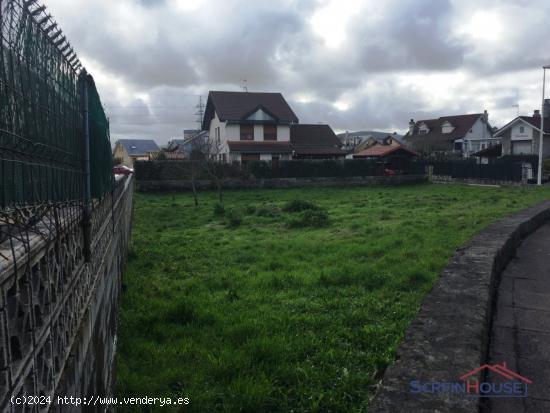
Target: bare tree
205,161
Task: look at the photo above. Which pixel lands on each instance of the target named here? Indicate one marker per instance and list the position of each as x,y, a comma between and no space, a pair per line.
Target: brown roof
491,151
314,140
381,151
237,106
435,137
535,121
260,146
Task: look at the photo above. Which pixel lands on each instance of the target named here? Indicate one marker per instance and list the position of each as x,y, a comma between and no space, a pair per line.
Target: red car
122,170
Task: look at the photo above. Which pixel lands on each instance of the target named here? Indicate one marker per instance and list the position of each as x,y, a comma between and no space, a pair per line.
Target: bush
219,209
298,205
234,218
270,211
309,218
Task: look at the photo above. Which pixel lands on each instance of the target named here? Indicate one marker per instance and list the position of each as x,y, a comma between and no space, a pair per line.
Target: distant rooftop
139,147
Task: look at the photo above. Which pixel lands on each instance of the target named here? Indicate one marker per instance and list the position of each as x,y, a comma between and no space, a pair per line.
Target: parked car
122,170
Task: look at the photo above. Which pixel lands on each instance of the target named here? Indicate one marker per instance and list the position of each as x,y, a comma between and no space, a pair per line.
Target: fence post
87,218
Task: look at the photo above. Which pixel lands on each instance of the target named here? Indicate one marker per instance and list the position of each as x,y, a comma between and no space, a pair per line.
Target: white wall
516,135
258,132
283,133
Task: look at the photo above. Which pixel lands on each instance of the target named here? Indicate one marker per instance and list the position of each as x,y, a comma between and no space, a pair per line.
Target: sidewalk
521,326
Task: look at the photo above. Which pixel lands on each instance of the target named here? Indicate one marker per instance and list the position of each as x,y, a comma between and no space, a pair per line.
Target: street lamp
539,177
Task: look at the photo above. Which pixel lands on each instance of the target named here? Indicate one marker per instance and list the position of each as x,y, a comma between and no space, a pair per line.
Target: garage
521,148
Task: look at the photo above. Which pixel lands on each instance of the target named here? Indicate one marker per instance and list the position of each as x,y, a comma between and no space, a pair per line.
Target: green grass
251,309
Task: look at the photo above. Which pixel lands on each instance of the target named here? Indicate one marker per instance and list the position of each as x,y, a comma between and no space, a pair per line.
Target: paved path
521,325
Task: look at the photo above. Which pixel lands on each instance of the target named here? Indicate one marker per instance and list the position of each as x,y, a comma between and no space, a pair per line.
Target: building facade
460,135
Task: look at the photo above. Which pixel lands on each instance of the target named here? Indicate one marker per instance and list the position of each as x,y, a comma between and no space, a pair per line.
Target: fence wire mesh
42,145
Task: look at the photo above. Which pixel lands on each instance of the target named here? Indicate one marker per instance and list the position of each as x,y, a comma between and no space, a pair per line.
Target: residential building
351,140
521,136
184,148
316,141
131,150
245,126
396,157
249,126
461,135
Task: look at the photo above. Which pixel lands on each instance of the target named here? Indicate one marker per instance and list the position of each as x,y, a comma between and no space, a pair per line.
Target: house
315,142
461,135
488,155
395,157
351,140
184,148
130,150
388,140
246,126
521,136
250,126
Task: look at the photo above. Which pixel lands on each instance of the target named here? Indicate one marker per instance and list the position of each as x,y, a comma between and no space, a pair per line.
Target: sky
354,64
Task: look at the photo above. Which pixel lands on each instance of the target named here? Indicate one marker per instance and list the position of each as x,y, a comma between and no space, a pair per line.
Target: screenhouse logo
504,383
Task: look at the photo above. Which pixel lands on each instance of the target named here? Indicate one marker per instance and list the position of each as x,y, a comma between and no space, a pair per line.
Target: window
521,129
218,135
270,132
458,146
247,132
422,132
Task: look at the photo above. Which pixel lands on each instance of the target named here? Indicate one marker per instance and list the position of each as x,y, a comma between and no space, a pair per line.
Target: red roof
383,150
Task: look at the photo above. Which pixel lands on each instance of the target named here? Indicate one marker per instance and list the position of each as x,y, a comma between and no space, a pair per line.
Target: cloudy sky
355,64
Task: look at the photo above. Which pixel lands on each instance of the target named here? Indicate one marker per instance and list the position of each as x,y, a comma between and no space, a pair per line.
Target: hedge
182,170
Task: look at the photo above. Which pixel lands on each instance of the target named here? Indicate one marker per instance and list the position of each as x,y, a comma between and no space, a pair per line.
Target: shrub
219,209
309,218
298,205
270,211
234,218
250,210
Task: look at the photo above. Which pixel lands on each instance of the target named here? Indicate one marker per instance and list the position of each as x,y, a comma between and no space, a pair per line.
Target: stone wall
186,185
450,334
58,314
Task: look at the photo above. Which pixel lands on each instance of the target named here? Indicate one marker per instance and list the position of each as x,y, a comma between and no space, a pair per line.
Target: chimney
486,116
411,126
536,114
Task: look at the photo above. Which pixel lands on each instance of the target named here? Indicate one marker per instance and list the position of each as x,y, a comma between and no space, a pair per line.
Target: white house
248,126
521,136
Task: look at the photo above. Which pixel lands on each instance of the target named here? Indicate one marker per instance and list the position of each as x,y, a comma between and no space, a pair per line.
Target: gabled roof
530,120
314,140
237,106
461,123
381,151
139,147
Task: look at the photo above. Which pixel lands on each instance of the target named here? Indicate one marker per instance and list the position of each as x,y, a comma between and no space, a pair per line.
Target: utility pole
539,175
200,112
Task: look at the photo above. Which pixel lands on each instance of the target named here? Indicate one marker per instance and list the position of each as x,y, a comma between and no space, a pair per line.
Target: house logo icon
503,382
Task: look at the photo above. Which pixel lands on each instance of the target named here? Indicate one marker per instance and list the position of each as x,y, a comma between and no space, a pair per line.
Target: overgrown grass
241,312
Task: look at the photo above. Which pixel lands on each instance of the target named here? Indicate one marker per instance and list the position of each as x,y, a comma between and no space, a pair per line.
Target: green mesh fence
101,163
41,134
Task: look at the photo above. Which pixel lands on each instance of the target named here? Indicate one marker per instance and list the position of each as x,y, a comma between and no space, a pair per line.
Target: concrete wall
58,314
450,335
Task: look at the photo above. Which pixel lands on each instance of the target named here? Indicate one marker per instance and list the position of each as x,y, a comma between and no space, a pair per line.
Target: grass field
252,309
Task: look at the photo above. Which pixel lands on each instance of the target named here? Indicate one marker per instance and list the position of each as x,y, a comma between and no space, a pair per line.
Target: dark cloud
398,59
